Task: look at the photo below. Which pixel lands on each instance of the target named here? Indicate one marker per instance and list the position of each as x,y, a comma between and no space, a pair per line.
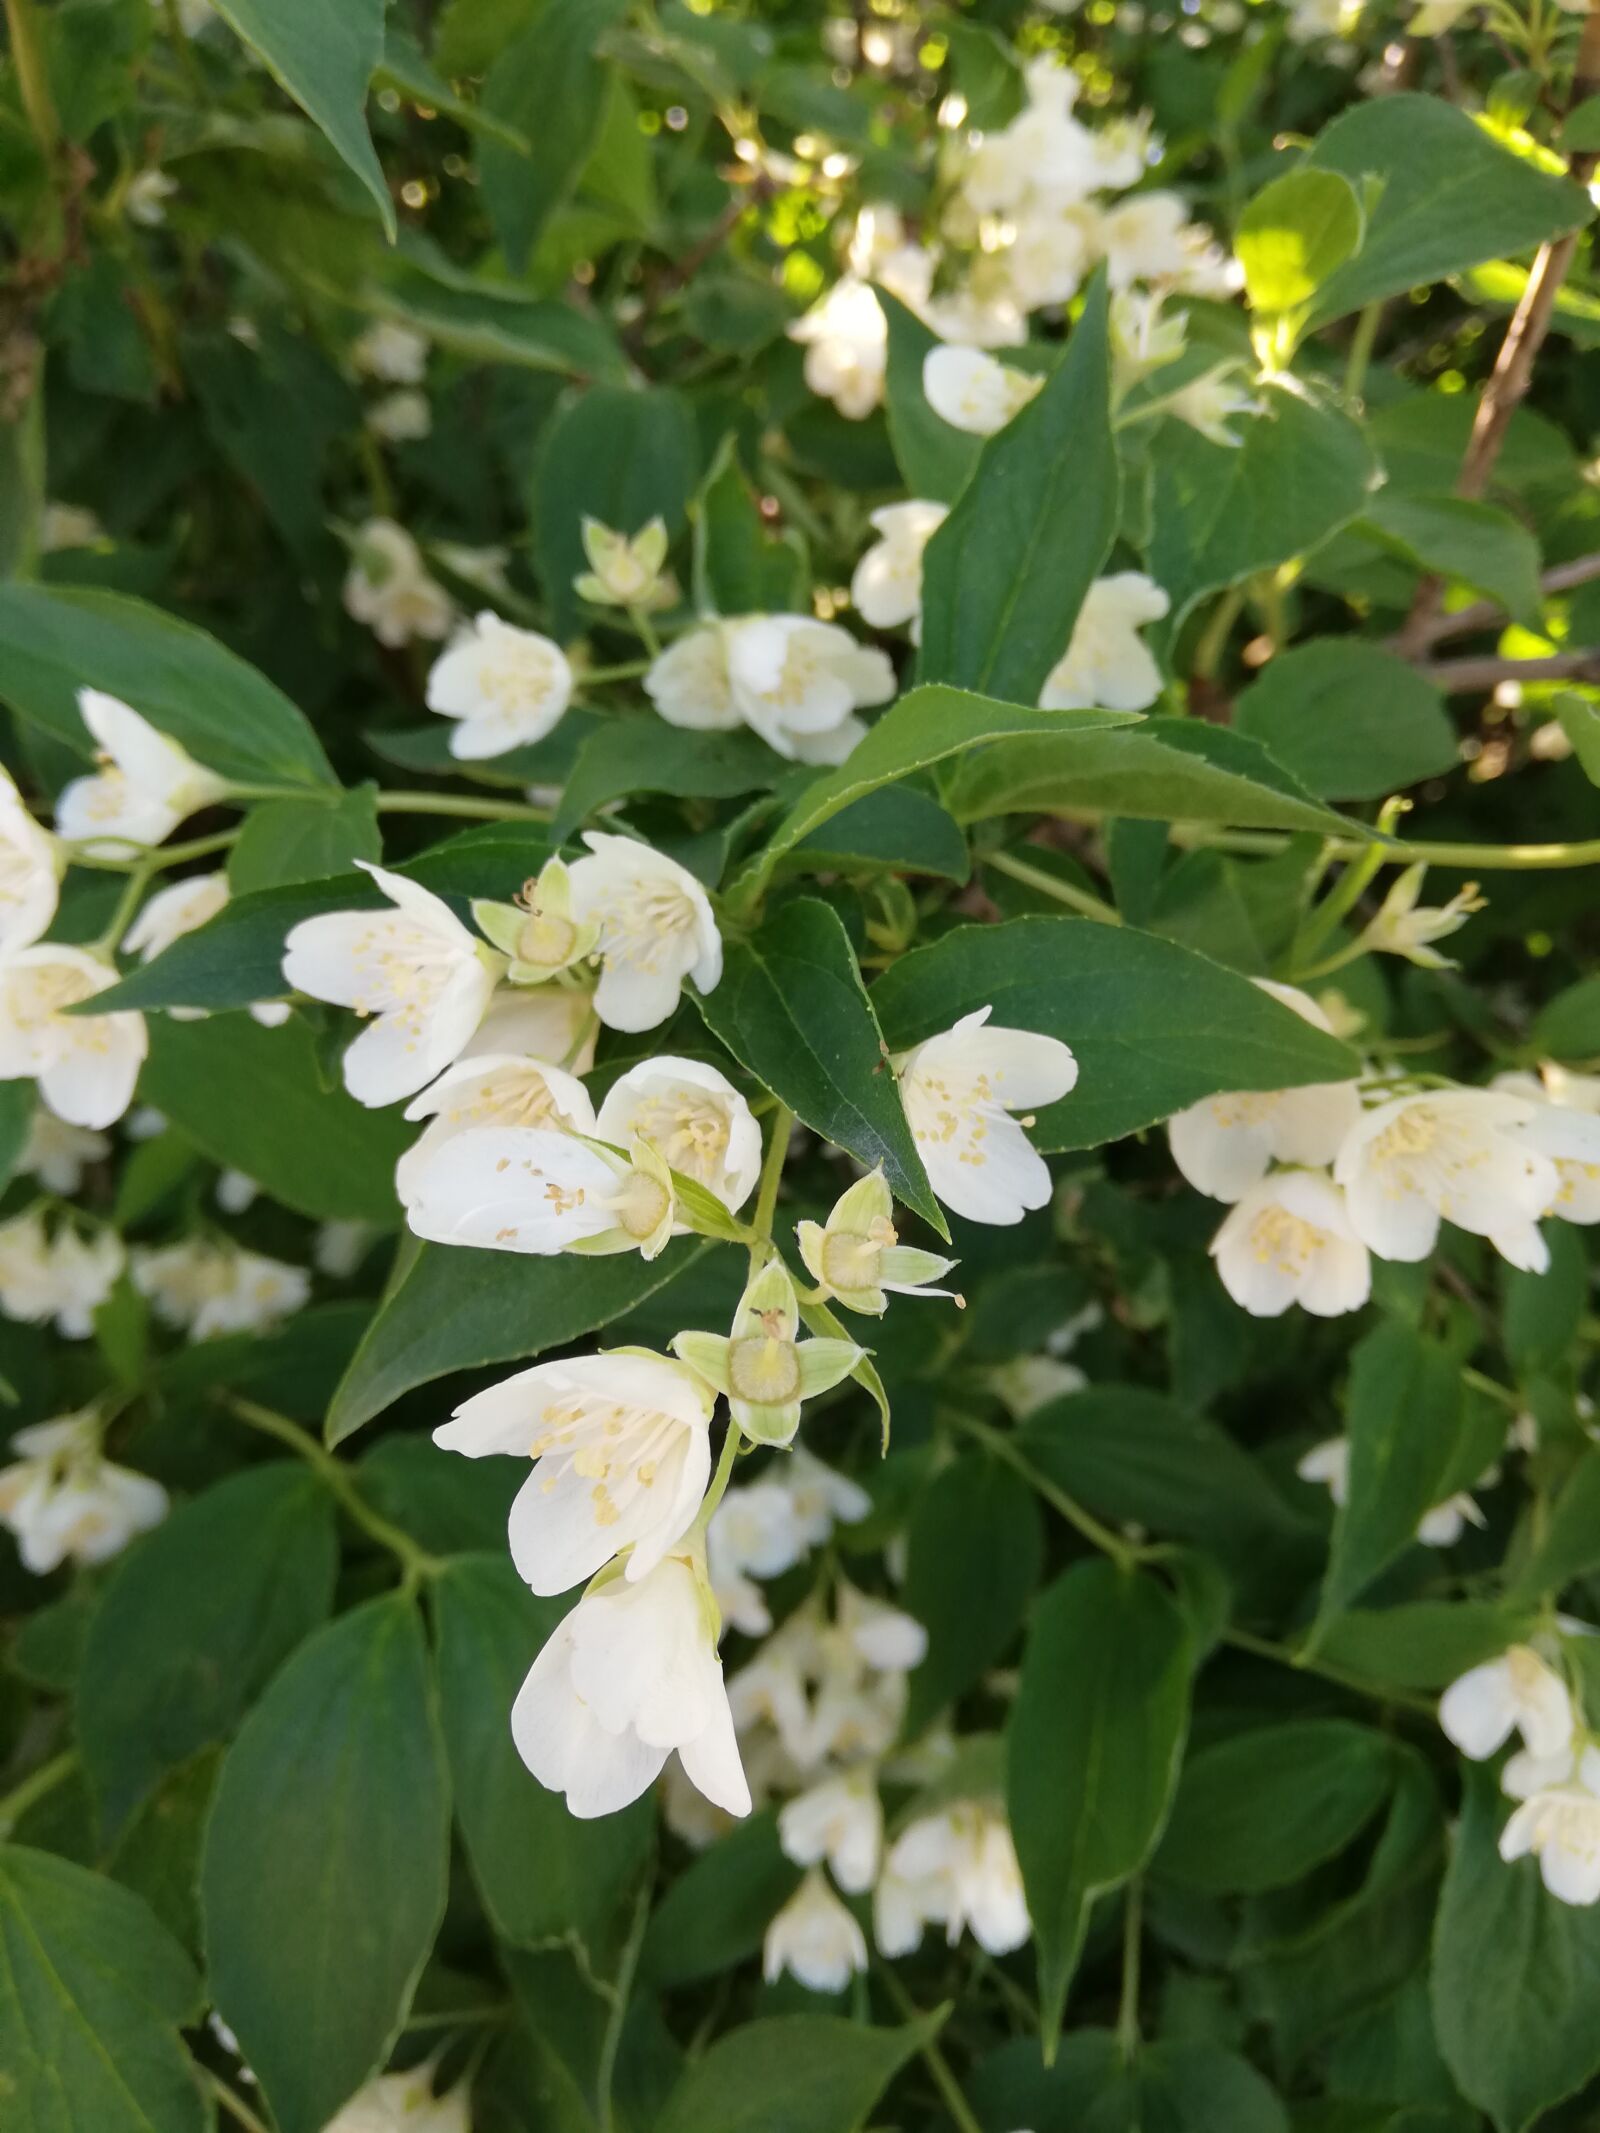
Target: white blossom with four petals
503,686
1288,1240
1517,1692
959,1090
63,1500
145,785
656,929
1107,664
886,589
693,1117
85,1065
487,1089
1457,1155
815,1939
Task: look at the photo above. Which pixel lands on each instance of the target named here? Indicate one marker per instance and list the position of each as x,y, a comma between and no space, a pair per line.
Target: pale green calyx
538,933
644,1205
625,572
764,1371
856,1256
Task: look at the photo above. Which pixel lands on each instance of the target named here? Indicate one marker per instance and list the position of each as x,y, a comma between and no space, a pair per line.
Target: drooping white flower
886,589
1224,1144
144,787
211,1288
1565,1126
1289,1240
840,1821
1147,238
815,1939
656,929
488,1089
1452,1154
58,1154
958,1869
832,1689
414,968
1108,664
631,1674
1441,1527
183,907
401,417
62,1276
766,1526
856,1256
790,678
395,354
765,1371
29,872
535,1190
1517,1692
959,1089
145,199
1404,926
693,1117
624,570
406,2103
388,587
621,1450
974,391
61,1499
85,1065
1560,1826
505,687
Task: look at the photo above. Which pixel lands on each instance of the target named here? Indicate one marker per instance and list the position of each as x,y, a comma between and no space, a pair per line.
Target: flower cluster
1555,1774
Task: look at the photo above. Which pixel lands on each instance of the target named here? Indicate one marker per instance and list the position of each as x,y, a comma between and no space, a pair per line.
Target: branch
1489,614
1464,677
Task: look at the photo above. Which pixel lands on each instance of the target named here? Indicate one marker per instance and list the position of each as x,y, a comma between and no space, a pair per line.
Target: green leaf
1348,719
1262,1810
619,455
975,1545
1568,1027
1415,1439
227,715
1092,1752
18,1100
740,566
792,1009
1169,770
934,457
1516,1974
639,755
1424,1644
1154,1026
254,1100
923,728
900,828
1580,722
1169,2085
549,84
716,1912
497,322
324,56
323,1882
294,841
1543,1312
461,1310
1451,537
792,2074
1005,575
1219,514
97,1990
196,1621
1450,197
1294,234
1569,1546
543,1875
236,958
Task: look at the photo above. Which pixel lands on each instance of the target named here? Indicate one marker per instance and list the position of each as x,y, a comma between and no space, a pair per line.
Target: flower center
689,1129
642,1205
764,1369
1287,1240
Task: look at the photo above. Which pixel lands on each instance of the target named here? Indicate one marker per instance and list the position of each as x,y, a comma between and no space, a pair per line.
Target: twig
938,2066
1064,892
415,1561
34,1787
1489,614
1464,677
232,2102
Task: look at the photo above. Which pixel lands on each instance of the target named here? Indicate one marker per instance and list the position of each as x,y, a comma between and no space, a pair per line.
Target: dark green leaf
900,828
715,1913
792,2074
1476,544
975,1550
640,755
1170,2085
1569,1546
933,456
550,86
1568,1027
1544,1311
740,566
1423,1644
296,841
1348,719
497,322
1262,1810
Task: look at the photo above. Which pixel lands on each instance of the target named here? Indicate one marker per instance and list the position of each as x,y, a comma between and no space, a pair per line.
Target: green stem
1339,901
127,904
1497,858
617,2014
1244,1640
1361,342
1132,1943
771,1172
416,1562
467,805
1214,639
1050,885
630,670
151,858
719,1480
937,2064
1123,1553
232,2102
15,1804
33,75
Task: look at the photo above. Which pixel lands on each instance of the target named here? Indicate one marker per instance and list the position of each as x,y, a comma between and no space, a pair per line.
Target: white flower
656,929
792,679
388,587
629,1676
972,391
488,1089
886,589
1405,927
1565,1126
765,1527
29,872
1224,1144
505,686
1560,1826
58,1154
1147,237
1144,338
338,1248
958,1089
214,1288
145,201
68,526
85,1065
958,1868
1329,1463
856,1254
535,1190
144,787
815,1939
764,1370
840,1821
415,968
1028,1382
1455,1154
624,571
1289,1240
1210,402
62,1500
401,417
554,1022
1517,1690
694,1118
846,340
406,2103
1107,664
64,1277
1311,20
621,1450
396,354
832,1688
